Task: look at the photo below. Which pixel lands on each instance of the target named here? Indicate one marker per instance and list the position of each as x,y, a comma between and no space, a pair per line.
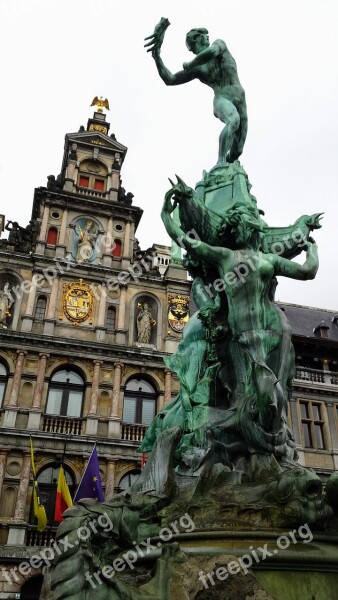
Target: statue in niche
86,246
5,305
144,323
216,67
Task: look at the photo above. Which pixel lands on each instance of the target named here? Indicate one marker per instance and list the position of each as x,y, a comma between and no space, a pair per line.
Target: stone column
107,251
102,306
50,319
95,388
116,389
100,329
28,317
17,378
126,245
3,460
19,514
34,416
167,386
40,378
31,298
110,479
122,306
63,228
114,425
53,298
44,224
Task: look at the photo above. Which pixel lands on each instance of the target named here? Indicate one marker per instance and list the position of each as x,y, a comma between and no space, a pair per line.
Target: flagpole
64,452
84,471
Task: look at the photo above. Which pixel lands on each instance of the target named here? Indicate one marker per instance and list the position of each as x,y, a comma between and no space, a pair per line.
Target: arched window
52,236
128,479
139,402
47,481
111,317
40,308
3,382
65,394
92,175
117,248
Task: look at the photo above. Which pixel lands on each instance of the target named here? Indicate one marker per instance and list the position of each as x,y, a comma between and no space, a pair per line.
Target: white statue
145,322
5,304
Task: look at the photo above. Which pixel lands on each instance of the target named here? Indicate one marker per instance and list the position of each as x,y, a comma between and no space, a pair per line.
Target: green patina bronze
216,67
221,451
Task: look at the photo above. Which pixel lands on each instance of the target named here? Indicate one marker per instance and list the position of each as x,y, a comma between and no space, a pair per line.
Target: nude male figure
216,67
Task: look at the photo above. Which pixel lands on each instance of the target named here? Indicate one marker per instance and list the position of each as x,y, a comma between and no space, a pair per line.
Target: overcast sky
57,55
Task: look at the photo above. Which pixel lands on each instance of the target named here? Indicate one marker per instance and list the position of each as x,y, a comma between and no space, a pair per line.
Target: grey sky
56,56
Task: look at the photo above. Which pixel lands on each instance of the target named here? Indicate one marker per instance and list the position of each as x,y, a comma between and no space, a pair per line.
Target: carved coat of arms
77,301
178,312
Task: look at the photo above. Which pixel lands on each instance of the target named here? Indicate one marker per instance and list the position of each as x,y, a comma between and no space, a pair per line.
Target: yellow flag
39,510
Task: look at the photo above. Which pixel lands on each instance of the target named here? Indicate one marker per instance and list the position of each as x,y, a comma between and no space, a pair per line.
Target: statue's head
197,37
243,228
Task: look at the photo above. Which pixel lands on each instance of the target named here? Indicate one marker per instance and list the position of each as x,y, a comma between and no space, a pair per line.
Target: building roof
307,321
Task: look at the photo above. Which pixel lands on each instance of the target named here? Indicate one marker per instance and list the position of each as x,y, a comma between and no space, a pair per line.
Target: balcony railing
316,376
39,538
133,432
90,192
58,424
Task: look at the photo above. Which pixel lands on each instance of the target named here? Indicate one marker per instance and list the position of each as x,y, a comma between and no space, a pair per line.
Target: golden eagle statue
101,103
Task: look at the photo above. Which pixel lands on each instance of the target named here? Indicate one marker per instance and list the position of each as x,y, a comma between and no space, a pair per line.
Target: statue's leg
239,138
227,113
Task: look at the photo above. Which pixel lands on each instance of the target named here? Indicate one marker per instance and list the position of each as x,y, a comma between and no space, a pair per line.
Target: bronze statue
216,67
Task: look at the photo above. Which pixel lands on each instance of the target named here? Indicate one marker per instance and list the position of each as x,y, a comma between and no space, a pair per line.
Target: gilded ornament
178,312
101,103
77,301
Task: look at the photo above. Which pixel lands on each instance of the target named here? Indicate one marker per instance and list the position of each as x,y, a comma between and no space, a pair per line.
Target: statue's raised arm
215,66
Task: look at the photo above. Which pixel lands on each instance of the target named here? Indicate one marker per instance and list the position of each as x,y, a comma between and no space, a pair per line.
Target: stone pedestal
114,428
10,417
34,419
16,535
121,336
91,425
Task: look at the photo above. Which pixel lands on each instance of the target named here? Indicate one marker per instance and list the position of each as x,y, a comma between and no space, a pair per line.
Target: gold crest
77,302
178,312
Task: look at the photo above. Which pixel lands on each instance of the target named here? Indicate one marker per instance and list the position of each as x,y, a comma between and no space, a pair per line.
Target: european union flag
90,485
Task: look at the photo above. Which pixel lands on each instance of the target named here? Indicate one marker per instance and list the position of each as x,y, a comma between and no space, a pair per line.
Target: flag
39,510
90,485
63,497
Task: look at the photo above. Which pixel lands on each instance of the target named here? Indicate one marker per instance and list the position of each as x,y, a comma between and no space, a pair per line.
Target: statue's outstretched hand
156,38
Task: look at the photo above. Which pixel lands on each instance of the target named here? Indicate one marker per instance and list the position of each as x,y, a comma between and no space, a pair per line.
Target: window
52,236
93,175
3,382
312,424
128,479
84,181
99,185
110,320
47,481
40,308
117,248
139,402
65,394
